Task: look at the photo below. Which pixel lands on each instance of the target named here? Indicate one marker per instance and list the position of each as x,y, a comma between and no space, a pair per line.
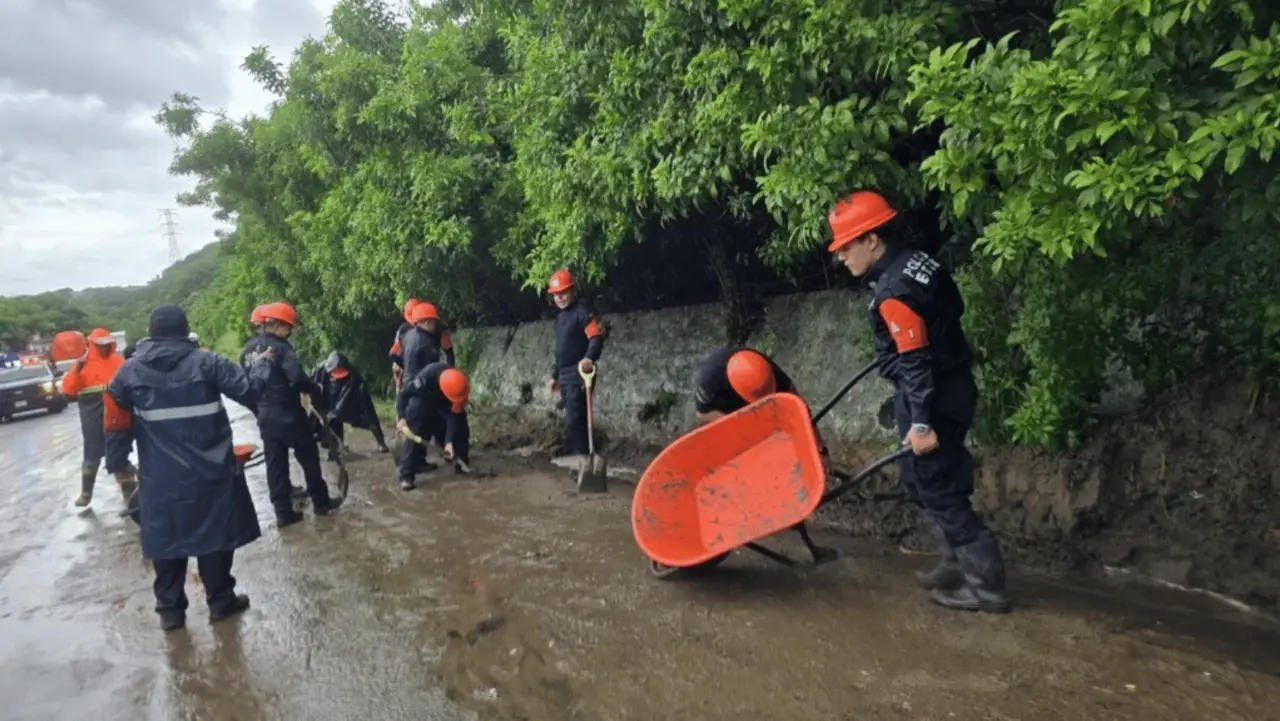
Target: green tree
1120,189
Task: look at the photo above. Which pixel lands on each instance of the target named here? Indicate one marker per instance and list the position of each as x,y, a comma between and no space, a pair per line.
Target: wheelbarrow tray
742,477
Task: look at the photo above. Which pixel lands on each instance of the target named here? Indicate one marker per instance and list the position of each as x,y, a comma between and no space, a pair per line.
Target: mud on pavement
509,596
545,609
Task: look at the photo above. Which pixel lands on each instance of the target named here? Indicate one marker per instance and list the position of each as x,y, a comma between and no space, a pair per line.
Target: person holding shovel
283,422
579,341
433,406
348,400
915,317
256,321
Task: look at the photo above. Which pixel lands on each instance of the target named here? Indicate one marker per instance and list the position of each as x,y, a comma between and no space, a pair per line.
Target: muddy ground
1186,491
508,596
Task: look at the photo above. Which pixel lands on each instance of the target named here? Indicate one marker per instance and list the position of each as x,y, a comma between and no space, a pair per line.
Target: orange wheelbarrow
730,483
247,456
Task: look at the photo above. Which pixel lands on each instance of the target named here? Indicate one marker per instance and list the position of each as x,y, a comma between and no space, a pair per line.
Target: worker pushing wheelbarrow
745,475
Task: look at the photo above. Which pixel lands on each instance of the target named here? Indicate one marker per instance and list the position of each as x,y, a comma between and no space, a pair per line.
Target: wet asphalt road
79,637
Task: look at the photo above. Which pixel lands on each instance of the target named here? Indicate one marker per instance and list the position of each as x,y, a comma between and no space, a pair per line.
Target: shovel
344,478
415,438
593,476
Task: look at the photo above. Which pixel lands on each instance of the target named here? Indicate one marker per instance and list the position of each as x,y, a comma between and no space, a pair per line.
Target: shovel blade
344,482
593,477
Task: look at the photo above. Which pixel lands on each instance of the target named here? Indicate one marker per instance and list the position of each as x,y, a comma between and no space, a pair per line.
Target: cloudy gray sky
83,168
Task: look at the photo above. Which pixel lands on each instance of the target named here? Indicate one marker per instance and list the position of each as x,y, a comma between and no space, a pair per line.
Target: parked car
29,388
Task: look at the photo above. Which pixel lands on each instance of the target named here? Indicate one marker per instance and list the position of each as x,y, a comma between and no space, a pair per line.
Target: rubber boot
984,579
173,620
947,573
87,479
238,605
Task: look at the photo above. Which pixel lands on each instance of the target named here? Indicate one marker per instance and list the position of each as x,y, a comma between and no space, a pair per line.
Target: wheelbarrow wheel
666,573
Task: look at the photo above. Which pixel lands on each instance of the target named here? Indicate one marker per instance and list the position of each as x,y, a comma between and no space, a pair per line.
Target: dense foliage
1102,169
126,309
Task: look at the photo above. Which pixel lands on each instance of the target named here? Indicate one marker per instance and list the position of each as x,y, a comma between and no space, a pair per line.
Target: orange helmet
455,386
423,311
255,318
409,305
561,280
860,213
751,375
101,336
281,312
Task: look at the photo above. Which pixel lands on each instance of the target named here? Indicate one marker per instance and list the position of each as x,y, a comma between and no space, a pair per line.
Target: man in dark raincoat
347,399
192,496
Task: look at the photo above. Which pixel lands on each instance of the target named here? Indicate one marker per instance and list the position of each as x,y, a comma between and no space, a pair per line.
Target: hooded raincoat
86,382
192,495
347,398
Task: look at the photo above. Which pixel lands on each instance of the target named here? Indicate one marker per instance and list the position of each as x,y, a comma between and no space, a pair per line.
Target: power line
170,232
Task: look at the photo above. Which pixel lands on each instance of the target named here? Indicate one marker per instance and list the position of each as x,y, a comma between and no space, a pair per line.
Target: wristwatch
920,429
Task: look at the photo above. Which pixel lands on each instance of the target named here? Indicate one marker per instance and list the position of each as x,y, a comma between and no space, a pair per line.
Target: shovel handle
588,377
404,431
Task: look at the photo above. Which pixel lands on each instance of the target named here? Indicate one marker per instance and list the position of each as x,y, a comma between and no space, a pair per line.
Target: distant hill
116,308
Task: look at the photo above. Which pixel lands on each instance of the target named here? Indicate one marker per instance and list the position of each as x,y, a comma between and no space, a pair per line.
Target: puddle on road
512,597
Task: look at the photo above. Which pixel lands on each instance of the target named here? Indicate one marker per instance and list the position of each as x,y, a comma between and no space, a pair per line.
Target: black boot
87,479
172,620
288,519
984,579
334,503
947,573
238,604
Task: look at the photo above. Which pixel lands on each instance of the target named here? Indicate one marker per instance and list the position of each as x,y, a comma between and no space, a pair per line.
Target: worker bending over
283,422
915,318
433,406
193,499
579,341
348,401
733,378
86,382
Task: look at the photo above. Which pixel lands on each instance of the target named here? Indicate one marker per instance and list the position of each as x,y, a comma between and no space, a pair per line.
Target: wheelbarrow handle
840,394
847,483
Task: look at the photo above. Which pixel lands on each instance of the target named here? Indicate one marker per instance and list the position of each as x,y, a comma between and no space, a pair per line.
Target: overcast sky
83,168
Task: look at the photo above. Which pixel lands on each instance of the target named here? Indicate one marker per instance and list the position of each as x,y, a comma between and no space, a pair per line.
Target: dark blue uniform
915,318
416,349
430,416
715,393
578,335
192,495
284,425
